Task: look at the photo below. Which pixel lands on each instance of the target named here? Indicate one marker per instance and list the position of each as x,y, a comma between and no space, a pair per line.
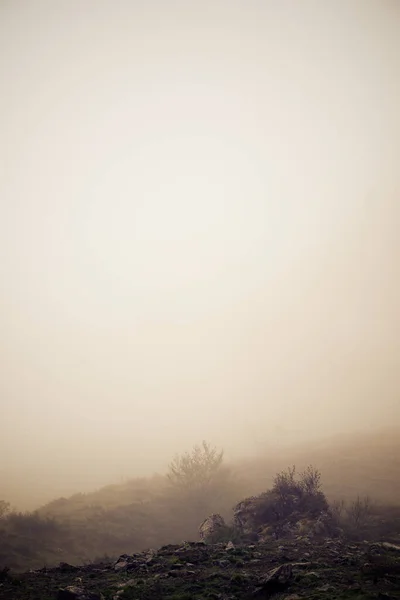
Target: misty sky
199,227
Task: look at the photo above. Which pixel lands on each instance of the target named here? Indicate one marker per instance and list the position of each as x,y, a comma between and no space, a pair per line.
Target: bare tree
359,511
196,469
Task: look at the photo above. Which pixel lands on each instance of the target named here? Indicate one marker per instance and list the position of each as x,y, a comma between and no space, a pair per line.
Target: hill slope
190,571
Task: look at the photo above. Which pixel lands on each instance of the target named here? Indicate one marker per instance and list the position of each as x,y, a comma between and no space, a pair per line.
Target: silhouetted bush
290,499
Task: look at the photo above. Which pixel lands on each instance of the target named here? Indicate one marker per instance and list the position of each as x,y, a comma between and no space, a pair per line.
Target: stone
277,578
210,526
327,587
390,546
78,593
121,565
128,583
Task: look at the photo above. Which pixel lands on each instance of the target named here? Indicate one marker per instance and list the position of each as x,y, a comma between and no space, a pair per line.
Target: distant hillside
363,463
149,512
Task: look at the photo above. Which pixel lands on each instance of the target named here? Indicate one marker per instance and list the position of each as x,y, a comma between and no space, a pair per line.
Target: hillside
148,512
196,571
364,464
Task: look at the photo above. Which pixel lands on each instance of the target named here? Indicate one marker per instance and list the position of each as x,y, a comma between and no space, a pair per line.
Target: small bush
197,469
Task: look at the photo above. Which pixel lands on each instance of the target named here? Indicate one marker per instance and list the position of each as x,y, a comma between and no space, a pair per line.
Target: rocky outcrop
259,518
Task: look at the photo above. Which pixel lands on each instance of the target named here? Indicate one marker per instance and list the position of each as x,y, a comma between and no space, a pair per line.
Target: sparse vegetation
196,470
145,513
360,518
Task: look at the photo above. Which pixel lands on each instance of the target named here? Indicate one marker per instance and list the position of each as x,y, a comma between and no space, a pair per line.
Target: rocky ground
290,570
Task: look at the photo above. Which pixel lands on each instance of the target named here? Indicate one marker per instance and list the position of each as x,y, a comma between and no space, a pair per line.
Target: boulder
210,526
244,515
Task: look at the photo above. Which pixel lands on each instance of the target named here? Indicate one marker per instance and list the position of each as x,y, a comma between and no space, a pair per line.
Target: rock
390,546
326,588
265,533
210,526
121,565
78,593
313,574
230,546
283,574
301,565
304,527
125,584
355,587
276,579
244,515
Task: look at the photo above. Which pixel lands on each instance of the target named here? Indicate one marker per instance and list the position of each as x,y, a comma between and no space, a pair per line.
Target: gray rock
278,577
121,565
313,574
125,584
389,546
210,526
77,593
327,587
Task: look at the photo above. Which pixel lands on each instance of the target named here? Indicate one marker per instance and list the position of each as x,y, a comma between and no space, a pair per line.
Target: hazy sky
199,227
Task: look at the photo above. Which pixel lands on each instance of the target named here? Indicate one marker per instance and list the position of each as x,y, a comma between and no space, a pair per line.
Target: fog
198,230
